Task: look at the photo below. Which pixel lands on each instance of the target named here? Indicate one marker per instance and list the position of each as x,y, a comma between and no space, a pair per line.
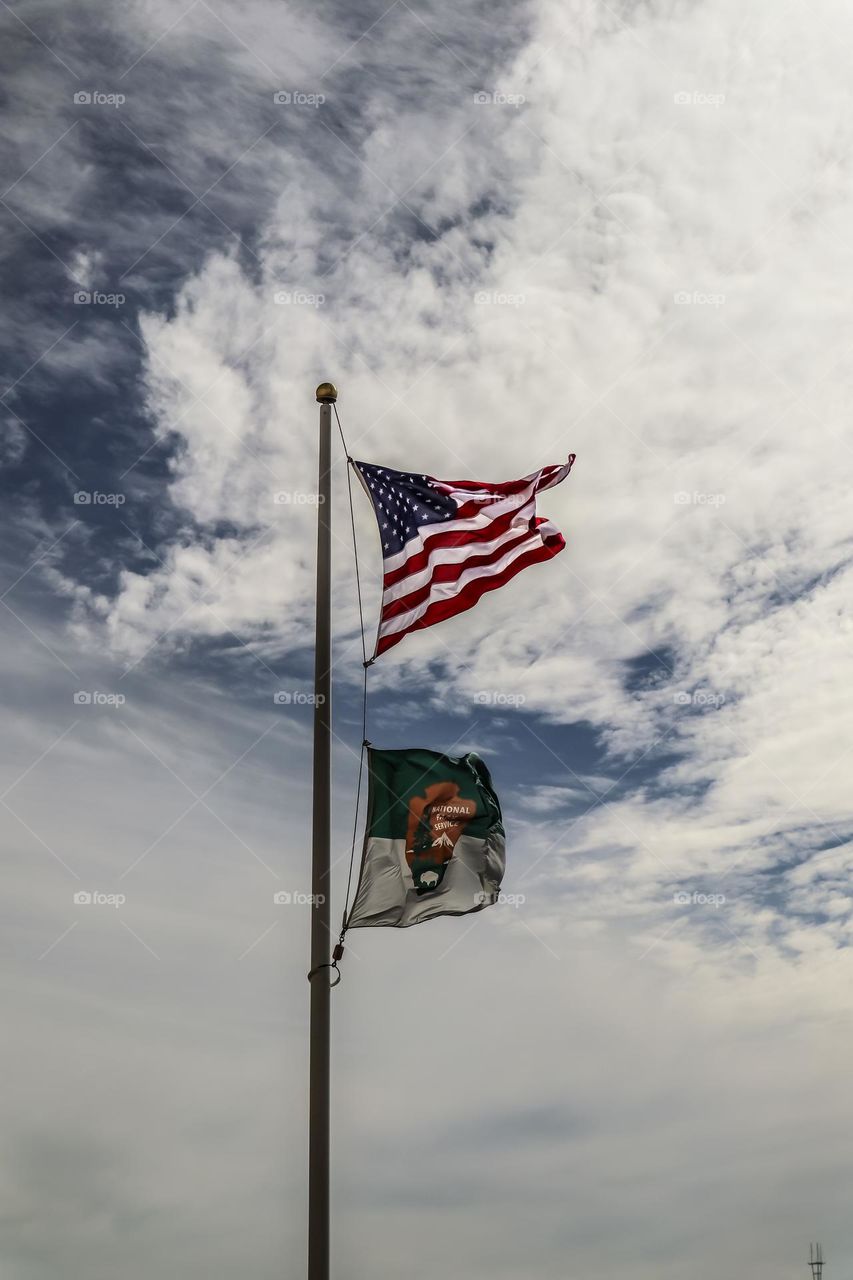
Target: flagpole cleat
333,964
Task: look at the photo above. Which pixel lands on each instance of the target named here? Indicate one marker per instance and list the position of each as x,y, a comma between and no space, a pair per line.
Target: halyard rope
365,666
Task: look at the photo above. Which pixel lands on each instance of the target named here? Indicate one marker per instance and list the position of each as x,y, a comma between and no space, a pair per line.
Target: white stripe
448,590
455,555
481,520
560,474
547,529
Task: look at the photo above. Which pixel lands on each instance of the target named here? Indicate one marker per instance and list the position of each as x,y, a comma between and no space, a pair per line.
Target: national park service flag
434,841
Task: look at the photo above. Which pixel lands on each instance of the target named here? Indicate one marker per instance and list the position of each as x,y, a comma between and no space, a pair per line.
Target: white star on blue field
404,502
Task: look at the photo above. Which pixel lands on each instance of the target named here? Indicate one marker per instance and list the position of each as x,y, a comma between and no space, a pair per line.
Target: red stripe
472,592
449,572
505,487
433,535
453,538
466,510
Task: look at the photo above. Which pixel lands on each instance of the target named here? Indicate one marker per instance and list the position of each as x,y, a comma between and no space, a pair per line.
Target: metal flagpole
321,934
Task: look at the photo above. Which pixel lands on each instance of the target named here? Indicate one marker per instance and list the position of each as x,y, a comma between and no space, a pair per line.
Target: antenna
816,1261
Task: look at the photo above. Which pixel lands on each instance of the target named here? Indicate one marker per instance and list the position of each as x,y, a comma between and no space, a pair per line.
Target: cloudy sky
620,228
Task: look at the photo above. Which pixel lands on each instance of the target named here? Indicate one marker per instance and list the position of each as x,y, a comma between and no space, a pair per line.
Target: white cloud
669,213
84,266
678,265
13,442
577,1044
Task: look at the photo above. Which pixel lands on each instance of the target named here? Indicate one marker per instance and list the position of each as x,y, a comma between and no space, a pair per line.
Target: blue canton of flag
404,503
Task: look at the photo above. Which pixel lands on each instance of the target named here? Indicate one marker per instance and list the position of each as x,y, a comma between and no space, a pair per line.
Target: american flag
445,543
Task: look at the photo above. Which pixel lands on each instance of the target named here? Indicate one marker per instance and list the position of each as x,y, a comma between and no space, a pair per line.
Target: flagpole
321,935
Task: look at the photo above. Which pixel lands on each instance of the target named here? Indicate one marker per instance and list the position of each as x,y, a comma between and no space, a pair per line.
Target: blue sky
507,233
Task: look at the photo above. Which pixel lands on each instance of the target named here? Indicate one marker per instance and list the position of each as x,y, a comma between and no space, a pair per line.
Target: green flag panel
434,840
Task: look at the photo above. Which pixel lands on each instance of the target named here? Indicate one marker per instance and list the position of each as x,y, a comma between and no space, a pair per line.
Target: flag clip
337,955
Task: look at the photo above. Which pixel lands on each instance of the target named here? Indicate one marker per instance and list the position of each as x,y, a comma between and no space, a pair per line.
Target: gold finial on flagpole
327,393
